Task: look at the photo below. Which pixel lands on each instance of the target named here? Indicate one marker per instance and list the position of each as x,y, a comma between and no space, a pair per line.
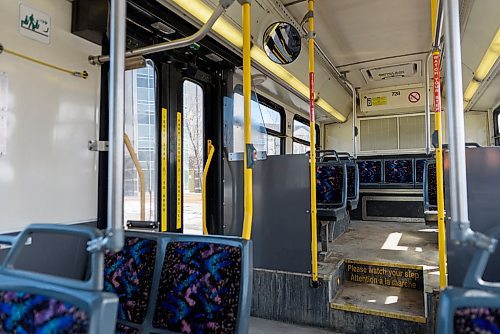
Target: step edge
380,313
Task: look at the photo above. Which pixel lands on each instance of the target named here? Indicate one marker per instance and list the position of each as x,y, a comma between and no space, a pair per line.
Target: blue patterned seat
171,283
419,170
430,192
352,185
398,171
331,191
370,171
32,302
129,274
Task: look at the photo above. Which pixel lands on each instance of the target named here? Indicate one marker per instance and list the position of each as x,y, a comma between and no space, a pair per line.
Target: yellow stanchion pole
312,122
211,150
436,70
439,170
247,90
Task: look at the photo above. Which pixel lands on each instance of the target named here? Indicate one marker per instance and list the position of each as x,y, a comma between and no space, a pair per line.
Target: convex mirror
282,43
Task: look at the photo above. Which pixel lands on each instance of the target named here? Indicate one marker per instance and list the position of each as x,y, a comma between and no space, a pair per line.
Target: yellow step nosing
380,313
385,264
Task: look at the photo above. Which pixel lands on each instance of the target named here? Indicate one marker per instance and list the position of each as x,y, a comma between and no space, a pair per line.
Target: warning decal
414,97
376,101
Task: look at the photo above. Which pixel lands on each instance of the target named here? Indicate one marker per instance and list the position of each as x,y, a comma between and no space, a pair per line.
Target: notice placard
386,274
34,24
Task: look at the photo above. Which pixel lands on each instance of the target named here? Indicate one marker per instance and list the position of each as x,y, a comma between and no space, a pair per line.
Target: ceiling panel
353,31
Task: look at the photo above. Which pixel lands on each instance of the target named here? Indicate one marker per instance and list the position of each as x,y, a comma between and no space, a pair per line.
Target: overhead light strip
233,35
484,68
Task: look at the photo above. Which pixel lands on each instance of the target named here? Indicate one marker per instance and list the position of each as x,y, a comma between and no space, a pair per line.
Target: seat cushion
22,312
129,275
199,288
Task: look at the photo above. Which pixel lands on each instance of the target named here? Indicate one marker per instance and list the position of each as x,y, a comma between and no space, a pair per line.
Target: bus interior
249,166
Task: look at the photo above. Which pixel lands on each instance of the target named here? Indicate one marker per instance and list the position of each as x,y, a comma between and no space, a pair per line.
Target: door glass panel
140,127
192,156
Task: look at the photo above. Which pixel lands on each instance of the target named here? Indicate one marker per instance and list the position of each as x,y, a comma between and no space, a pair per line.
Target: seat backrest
352,180
398,171
370,171
33,302
475,307
430,186
420,165
331,184
181,284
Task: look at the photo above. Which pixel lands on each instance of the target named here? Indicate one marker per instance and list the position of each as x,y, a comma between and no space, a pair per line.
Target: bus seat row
158,283
171,283
337,191
32,302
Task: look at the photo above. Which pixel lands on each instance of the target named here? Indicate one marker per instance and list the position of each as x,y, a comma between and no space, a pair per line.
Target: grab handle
474,277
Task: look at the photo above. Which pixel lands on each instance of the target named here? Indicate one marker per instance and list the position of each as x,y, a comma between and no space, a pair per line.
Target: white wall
477,128
338,136
48,174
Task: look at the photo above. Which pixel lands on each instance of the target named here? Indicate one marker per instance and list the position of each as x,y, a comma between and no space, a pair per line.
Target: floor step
383,301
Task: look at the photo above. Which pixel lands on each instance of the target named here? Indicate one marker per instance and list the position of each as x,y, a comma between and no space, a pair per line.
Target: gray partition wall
483,187
281,221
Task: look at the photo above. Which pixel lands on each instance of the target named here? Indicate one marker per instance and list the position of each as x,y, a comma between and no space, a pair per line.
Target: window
193,147
140,127
496,123
268,126
402,132
301,135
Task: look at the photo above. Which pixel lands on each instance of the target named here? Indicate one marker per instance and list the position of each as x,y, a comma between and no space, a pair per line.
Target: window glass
192,157
302,135
258,128
299,148
140,127
267,126
496,122
272,118
273,145
301,130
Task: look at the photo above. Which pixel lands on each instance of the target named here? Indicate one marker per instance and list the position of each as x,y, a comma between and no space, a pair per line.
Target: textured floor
386,299
408,243
262,326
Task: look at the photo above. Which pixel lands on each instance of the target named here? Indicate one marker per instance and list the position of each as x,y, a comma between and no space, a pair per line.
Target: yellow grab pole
247,90
312,123
436,70
142,179
434,10
211,150
164,129
439,169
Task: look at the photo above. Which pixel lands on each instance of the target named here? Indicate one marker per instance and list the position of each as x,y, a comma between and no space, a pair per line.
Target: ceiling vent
163,28
406,70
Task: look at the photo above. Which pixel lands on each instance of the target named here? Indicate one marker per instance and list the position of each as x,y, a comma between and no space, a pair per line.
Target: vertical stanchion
211,150
439,169
249,150
312,123
178,221
164,129
116,124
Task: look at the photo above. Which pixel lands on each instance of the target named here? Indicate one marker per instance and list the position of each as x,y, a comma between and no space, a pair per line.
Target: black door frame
173,75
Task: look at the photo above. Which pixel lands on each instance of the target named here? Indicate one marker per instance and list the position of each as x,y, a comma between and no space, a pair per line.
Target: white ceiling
359,34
